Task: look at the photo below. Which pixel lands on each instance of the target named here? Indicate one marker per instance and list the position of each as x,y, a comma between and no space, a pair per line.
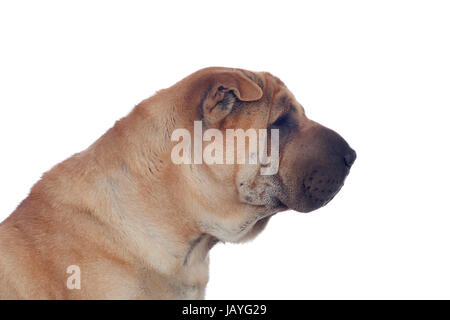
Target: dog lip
313,201
271,209
281,204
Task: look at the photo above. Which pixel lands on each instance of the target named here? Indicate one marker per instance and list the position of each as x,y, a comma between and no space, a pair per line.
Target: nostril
350,158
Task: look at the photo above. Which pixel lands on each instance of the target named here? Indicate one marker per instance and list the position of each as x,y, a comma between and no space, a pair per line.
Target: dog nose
350,157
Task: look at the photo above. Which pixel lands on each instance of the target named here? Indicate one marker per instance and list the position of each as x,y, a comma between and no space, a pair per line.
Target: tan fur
138,225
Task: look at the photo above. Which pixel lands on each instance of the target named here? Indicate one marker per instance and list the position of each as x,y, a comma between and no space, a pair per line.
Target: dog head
233,200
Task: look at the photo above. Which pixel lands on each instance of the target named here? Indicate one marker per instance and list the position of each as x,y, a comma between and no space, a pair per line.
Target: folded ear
225,88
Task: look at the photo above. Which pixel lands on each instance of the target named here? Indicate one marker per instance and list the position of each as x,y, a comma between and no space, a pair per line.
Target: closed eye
286,121
281,121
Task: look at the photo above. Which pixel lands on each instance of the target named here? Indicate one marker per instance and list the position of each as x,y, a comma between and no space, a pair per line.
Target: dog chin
266,212
257,228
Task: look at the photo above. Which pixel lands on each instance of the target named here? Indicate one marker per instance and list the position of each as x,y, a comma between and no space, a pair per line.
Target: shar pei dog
133,216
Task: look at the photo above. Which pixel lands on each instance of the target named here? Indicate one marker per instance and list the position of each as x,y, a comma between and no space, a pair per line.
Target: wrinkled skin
314,162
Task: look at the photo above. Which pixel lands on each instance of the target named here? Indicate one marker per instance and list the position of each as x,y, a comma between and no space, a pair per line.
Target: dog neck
121,181
199,249
166,239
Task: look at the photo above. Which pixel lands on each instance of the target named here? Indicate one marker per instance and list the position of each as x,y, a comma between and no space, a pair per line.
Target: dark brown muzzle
313,167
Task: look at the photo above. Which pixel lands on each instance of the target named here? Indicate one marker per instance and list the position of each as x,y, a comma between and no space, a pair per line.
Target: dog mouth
280,204
266,211
277,206
317,192
316,189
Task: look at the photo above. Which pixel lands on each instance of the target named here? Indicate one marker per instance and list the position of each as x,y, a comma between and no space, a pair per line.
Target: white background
378,72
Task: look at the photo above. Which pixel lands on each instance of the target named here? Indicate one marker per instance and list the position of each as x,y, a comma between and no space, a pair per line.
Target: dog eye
281,121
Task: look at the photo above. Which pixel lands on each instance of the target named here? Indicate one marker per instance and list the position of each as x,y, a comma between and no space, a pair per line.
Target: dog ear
225,88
